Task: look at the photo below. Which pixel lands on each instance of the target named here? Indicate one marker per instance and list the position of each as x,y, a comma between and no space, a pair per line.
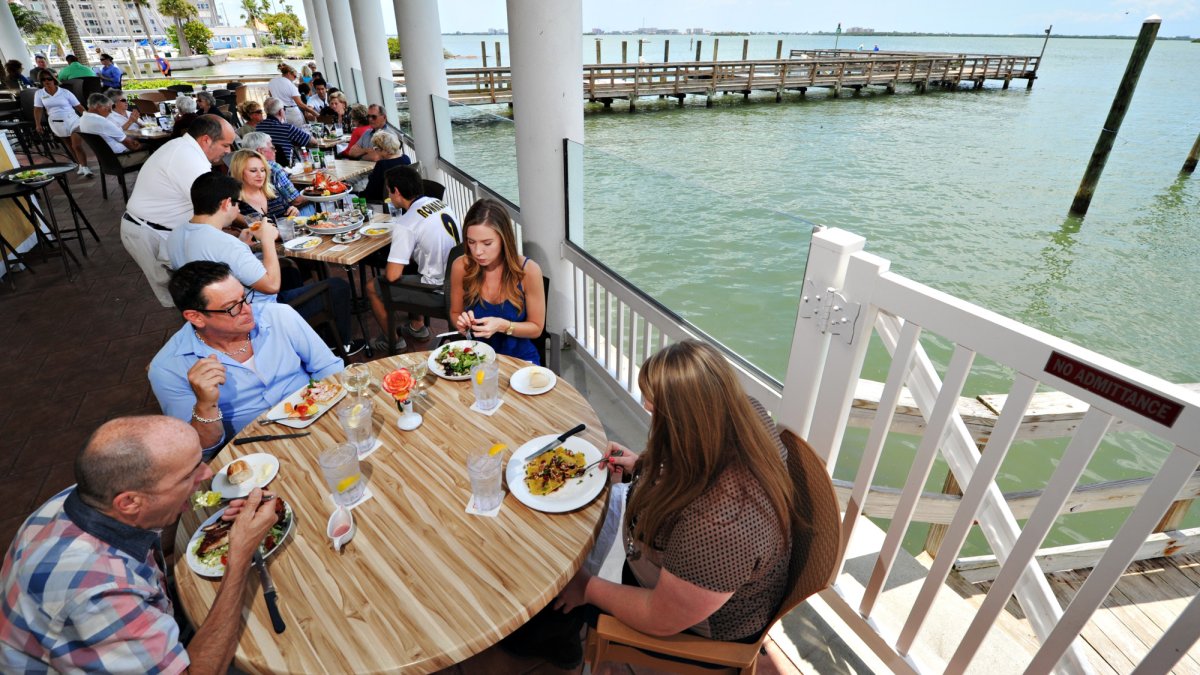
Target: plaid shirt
82,591
282,183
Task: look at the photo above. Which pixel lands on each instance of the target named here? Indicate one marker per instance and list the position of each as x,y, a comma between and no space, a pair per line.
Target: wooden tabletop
327,143
346,254
423,584
155,135
343,169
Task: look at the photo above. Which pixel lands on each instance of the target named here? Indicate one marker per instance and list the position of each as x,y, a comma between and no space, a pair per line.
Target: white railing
462,191
899,311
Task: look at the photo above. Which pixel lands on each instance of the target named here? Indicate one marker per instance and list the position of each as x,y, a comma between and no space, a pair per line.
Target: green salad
458,360
29,175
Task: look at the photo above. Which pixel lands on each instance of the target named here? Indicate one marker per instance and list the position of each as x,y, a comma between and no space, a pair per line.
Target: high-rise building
104,19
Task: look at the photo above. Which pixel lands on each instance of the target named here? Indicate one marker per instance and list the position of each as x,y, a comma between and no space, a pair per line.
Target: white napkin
490,514
368,453
489,413
367,494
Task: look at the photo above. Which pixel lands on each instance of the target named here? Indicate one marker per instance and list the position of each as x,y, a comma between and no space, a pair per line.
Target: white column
420,33
314,35
342,24
323,28
545,41
11,43
373,55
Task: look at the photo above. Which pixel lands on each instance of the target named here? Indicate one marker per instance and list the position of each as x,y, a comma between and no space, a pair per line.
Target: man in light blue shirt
233,360
109,73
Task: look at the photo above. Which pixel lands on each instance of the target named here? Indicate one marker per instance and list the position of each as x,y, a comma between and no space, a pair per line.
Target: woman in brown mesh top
706,523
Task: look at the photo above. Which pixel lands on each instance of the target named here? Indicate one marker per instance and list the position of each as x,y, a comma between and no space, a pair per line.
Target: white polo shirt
423,233
163,191
104,128
284,90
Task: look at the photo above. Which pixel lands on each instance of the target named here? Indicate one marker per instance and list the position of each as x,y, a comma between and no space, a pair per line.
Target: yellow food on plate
550,472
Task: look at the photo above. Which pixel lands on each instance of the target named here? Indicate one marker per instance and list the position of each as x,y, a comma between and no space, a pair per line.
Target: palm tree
254,9
141,6
68,19
181,11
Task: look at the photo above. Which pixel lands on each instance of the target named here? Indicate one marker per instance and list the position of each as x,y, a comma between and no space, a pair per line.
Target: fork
585,469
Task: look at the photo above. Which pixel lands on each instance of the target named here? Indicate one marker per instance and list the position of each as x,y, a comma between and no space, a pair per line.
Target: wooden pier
806,69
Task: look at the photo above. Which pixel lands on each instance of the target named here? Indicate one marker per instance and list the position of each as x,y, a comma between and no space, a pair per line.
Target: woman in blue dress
495,293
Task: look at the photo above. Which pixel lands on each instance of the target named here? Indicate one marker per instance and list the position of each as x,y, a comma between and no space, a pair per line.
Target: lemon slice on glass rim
497,448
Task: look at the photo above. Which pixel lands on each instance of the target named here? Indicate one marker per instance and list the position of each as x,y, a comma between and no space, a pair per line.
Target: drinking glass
420,371
483,468
485,382
356,416
343,477
337,130
287,229
357,378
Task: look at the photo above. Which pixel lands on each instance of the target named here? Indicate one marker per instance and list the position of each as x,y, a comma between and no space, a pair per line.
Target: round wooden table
423,585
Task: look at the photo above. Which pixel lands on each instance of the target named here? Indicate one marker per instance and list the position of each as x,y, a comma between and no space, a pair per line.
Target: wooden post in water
597,50
1116,114
1189,165
745,48
624,51
640,47
483,50
498,64
1029,82
716,44
779,50
698,45
666,51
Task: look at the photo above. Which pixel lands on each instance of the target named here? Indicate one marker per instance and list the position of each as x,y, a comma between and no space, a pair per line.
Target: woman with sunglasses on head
496,294
61,109
258,197
121,114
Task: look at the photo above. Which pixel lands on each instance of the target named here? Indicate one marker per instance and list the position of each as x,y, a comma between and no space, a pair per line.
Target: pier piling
698,44
666,51
1116,114
745,50
483,51
716,45
1189,165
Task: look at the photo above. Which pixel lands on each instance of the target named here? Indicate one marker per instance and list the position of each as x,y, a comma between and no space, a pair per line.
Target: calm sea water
710,210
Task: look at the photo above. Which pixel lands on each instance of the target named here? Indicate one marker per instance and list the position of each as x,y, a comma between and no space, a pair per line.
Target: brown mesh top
728,540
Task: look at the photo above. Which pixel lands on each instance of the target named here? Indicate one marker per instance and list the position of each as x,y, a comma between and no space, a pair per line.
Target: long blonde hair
702,425
492,213
237,166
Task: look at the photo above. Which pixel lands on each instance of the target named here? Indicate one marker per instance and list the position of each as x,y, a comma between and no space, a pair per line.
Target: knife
269,592
555,443
267,437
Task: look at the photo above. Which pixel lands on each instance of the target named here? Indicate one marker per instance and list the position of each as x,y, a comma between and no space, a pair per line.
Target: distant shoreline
863,35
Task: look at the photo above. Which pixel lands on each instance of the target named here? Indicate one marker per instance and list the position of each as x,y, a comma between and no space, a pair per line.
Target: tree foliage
197,35
284,27
180,11
394,48
252,12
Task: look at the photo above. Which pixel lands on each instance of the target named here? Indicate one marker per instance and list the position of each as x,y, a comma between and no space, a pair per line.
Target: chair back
181,88
146,106
75,86
432,188
89,86
455,253
105,157
25,98
816,525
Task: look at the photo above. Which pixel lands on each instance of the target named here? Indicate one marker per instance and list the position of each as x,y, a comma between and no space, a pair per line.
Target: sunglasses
121,100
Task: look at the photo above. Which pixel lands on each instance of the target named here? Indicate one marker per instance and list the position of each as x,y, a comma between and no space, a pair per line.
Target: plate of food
533,380
335,222
30,176
347,237
305,406
453,360
553,482
209,545
376,230
303,243
237,478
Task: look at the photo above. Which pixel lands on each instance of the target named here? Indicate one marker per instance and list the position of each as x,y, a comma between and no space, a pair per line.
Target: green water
710,210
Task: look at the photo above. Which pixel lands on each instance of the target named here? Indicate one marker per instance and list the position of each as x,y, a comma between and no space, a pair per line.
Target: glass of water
420,371
357,378
356,416
485,382
342,474
483,468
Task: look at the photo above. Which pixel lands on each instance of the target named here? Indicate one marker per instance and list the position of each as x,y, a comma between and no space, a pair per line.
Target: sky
1069,17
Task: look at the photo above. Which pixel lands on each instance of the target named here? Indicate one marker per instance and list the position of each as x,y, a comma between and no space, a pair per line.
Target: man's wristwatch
509,331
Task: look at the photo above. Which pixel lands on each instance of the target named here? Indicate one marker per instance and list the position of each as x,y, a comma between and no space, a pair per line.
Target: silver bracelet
205,420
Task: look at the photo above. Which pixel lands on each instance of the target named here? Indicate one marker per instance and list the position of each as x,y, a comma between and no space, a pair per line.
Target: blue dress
509,345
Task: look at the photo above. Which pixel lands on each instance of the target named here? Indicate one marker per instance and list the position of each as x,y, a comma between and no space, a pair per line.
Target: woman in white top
121,114
284,88
62,109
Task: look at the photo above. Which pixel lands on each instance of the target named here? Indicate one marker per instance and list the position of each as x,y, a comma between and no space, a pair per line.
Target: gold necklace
232,355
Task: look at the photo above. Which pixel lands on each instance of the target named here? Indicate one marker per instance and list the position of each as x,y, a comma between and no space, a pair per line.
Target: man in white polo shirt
95,121
162,196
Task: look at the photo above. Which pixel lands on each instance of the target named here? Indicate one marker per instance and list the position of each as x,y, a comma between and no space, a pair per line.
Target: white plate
303,243
322,199
577,493
219,570
277,413
386,227
520,381
479,347
265,466
347,237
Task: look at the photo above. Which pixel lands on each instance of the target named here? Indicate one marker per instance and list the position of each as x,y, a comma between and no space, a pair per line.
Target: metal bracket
833,313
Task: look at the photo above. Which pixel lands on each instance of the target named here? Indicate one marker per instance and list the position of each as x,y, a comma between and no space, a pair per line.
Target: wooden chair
816,553
112,164
146,106
181,88
435,292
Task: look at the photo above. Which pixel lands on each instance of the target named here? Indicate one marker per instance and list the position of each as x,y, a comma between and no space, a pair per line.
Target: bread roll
240,472
538,379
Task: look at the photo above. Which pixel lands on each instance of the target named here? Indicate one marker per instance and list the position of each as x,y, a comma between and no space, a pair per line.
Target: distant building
232,37
697,31
597,31
105,20
860,30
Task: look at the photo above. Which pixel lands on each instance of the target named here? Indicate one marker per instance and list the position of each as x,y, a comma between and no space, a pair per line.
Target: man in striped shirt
283,134
83,587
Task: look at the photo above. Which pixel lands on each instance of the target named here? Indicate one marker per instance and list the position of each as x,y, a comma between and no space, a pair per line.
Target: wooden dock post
483,50
641,45
745,49
598,61
1189,165
698,44
498,64
666,51
1029,81
779,50
1116,114
624,51
716,44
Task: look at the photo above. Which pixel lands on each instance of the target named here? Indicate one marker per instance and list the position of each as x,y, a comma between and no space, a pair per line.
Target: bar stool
22,195
59,171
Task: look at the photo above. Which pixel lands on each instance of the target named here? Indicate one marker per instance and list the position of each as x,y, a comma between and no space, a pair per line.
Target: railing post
828,255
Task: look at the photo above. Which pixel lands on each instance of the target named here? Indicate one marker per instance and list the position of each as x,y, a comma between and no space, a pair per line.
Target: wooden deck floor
1137,612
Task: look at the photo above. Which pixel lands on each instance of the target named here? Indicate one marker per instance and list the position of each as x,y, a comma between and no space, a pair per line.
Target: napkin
474,511
378,445
367,494
489,413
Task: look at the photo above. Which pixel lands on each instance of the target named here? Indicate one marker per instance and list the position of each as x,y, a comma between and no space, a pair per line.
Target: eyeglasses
231,311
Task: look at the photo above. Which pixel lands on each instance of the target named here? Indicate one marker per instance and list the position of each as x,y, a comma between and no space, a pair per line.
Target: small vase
408,419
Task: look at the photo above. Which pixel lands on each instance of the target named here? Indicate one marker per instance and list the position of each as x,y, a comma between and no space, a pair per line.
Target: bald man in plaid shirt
84,584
